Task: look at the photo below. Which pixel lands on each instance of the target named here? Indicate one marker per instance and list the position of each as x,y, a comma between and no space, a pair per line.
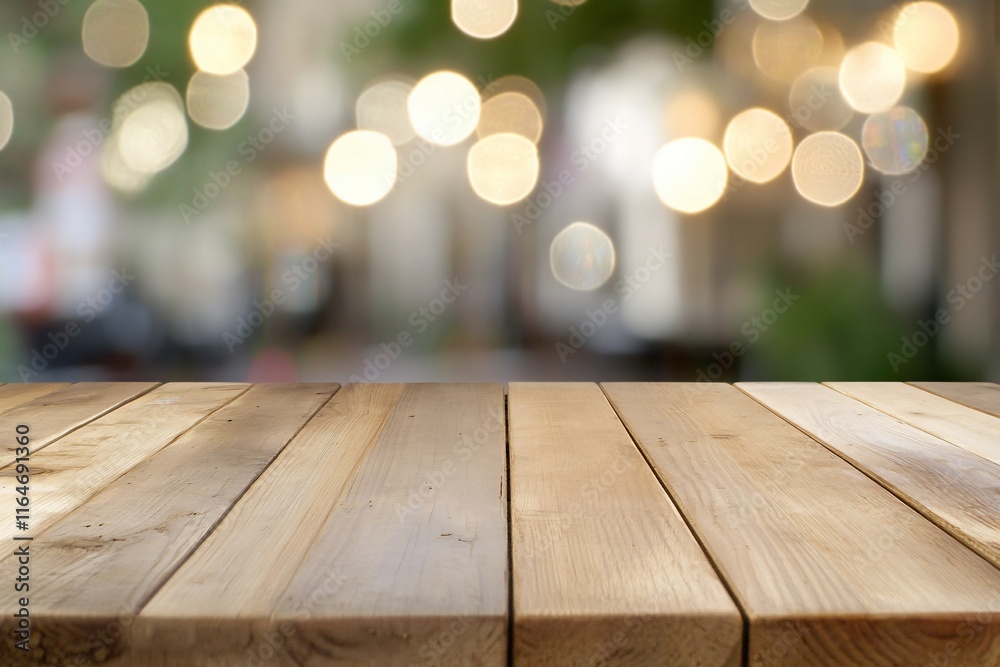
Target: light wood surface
411,565
604,567
13,395
54,414
966,427
78,466
829,568
102,562
952,487
983,396
226,592
217,524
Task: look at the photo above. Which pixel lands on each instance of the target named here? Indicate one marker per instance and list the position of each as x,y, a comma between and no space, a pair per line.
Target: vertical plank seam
510,536
906,422
744,615
925,514
953,399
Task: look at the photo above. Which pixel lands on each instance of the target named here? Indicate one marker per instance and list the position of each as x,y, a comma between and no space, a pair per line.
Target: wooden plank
223,596
71,470
95,568
829,567
53,415
983,396
965,427
13,395
949,485
605,571
411,566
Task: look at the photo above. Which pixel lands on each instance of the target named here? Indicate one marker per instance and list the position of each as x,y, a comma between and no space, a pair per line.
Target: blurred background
403,190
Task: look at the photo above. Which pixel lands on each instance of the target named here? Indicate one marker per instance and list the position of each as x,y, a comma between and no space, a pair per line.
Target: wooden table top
462,524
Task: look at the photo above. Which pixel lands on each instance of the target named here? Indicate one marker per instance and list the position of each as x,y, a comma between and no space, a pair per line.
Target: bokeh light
218,102
827,168
360,167
382,108
815,101
510,112
115,32
691,113
6,119
483,19
872,77
779,10
116,172
223,39
152,127
582,256
514,83
758,145
444,108
783,50
503,168
689,174
895,141
926,36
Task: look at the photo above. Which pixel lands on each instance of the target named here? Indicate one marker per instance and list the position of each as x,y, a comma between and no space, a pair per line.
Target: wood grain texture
963,426
605,571
952,487
224,595
96,567
411,566
983,396
13,395
830,568
57,413
71,470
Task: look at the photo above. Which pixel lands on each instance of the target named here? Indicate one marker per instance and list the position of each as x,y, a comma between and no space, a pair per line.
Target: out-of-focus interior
406,190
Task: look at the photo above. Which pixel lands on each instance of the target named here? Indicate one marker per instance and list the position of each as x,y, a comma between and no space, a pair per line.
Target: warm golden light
815,101
783,50
444,108
152,128
360,167
513,113
926,36
872,77
223,39
116,172
218,102
689,174
895,141
382,108
691,113
6,120
827,168
503,168
115,32
758,145
512,83
483,19
779,10
582,257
